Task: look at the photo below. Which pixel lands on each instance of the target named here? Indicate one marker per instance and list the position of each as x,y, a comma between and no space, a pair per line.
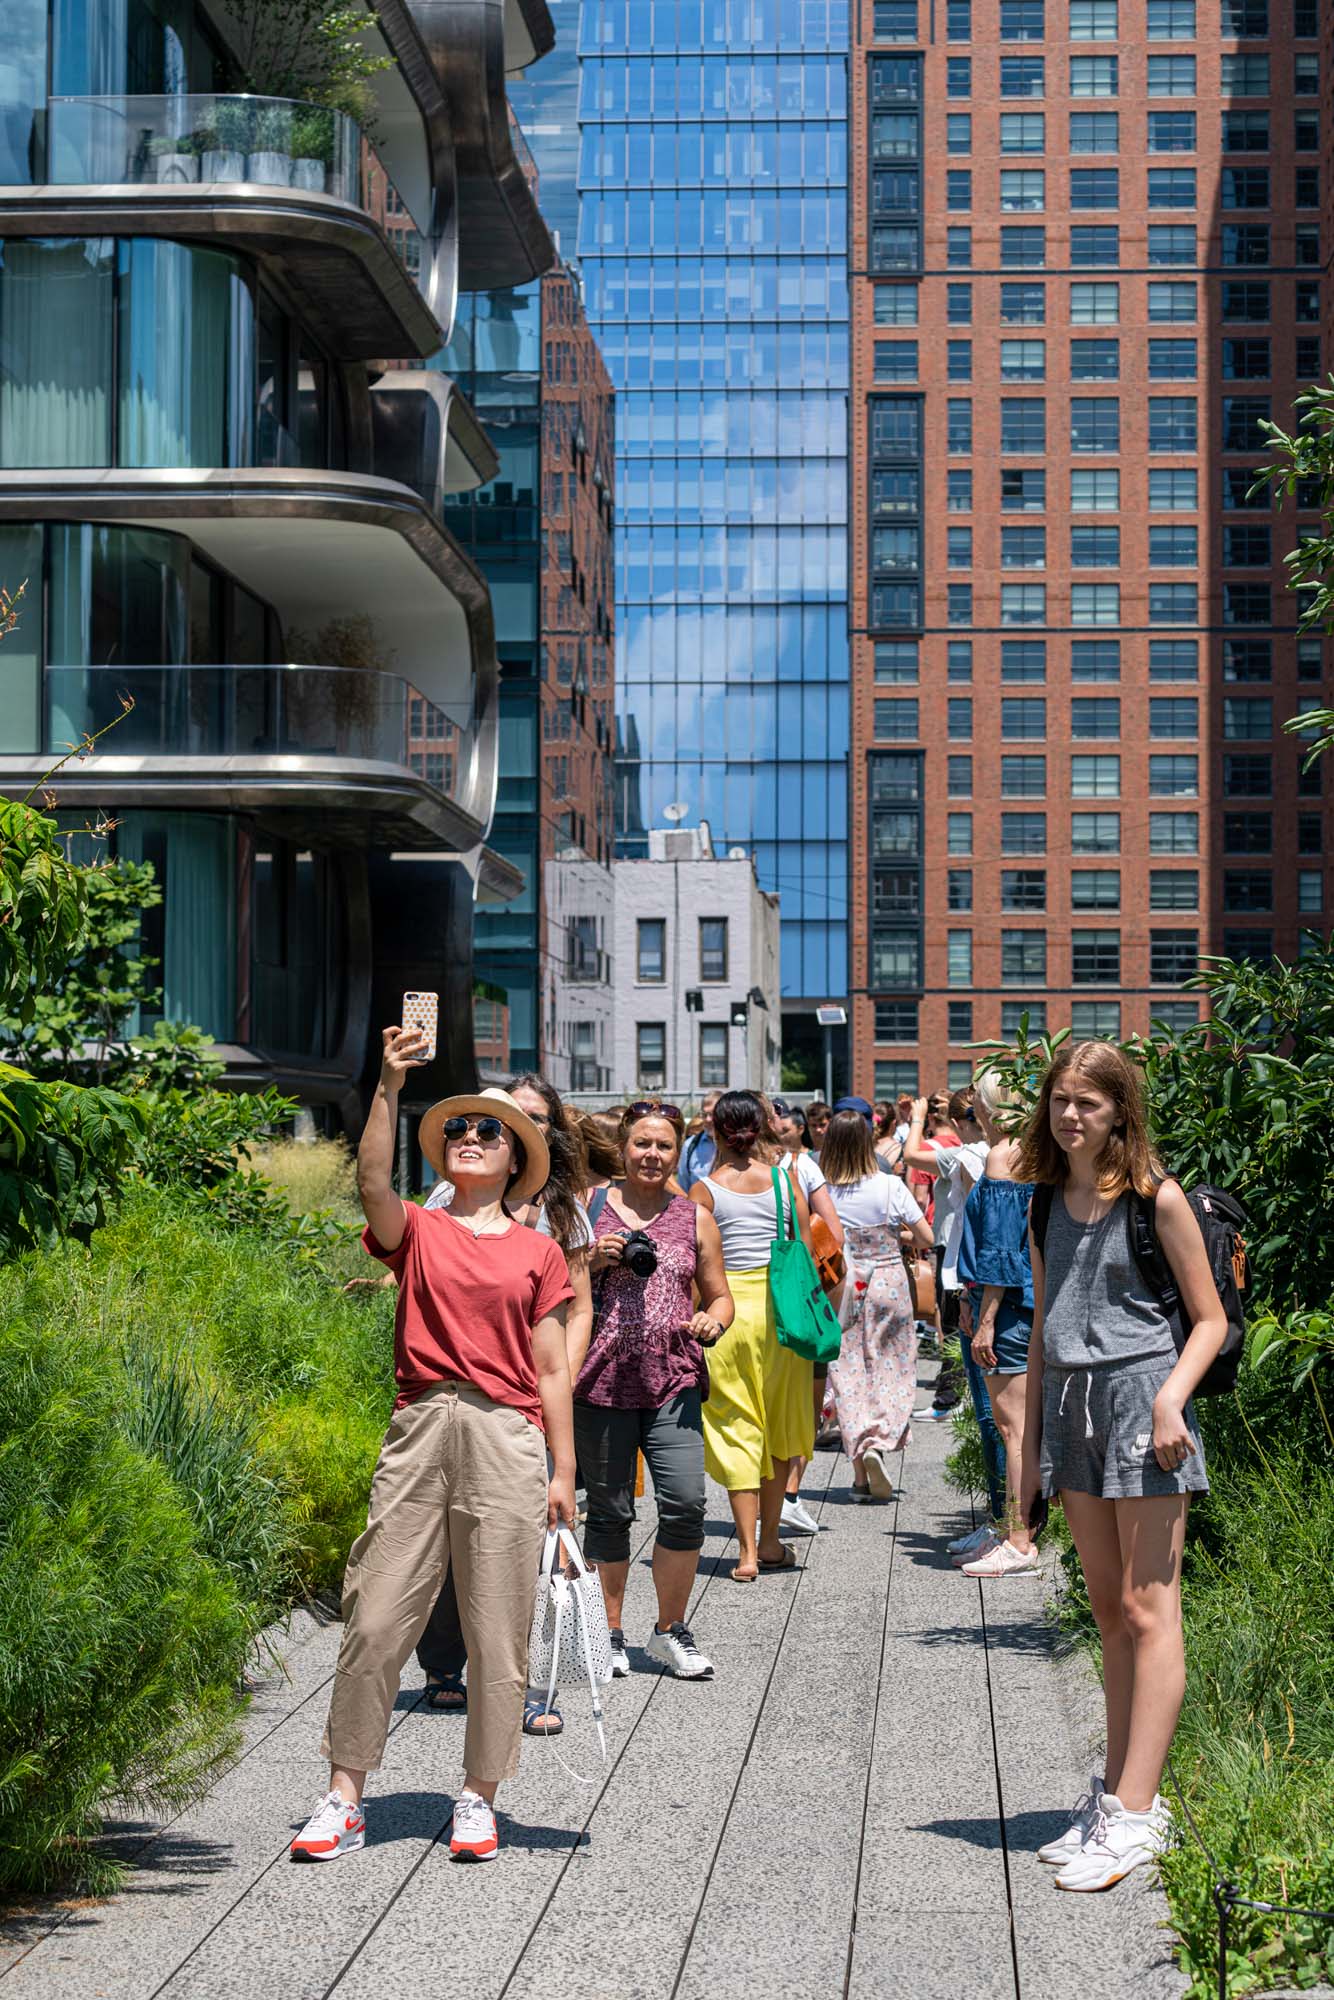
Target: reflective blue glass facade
712,237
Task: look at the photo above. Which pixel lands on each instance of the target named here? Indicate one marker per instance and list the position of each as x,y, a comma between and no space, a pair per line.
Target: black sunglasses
488,1130
786,1110
654,1108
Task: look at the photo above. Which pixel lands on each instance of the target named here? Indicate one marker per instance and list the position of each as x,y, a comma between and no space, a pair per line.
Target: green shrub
121,1644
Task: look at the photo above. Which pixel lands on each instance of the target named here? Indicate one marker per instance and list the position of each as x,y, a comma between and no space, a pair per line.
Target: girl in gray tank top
1110,1429
1097,1308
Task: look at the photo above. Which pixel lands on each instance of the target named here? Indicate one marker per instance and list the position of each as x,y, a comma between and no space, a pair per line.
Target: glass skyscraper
712,238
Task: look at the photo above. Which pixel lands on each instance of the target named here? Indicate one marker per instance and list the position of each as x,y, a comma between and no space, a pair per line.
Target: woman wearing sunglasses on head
641,1386
461,1482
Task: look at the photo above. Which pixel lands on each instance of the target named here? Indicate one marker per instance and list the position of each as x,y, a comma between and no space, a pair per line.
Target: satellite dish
676,812
738,854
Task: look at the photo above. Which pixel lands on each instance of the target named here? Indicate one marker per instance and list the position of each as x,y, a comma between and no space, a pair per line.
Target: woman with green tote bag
760,1412
804,1320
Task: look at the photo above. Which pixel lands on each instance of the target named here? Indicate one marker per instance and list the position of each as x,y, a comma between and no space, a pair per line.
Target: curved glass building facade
712,236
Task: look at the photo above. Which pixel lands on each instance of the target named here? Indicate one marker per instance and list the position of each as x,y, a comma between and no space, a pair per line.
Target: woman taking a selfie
1111,1429
760,1414
479,1356
641,1386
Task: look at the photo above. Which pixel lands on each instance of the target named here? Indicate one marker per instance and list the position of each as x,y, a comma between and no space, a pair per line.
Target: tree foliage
1305,458
310,50
102,982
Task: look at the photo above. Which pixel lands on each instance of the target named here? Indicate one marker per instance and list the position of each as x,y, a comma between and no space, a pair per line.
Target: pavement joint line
577,1842
395,1724
742,1768
870,1752
164,1827
1000,1788
436,1838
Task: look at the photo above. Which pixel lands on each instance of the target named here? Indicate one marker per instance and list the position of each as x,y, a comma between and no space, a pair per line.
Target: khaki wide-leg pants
460,1485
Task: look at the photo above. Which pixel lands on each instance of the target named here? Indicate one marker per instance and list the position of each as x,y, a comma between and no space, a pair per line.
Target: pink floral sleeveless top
640,1355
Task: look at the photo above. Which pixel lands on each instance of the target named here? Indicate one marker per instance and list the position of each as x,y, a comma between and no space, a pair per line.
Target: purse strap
787,1224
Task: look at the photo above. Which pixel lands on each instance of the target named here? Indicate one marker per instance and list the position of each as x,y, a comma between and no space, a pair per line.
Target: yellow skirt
760,1405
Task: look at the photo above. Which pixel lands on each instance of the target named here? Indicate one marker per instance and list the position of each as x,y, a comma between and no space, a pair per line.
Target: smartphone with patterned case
422,1011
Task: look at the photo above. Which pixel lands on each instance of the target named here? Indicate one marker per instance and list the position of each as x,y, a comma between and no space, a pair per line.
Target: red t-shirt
467,1306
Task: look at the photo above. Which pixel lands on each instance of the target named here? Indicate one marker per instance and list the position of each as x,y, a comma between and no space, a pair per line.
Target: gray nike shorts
1097,1433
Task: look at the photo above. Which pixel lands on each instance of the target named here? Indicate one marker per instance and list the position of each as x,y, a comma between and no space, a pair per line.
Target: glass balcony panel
325,714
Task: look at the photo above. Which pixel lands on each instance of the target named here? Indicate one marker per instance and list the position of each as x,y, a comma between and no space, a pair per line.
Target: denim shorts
1014,1330
1097,1433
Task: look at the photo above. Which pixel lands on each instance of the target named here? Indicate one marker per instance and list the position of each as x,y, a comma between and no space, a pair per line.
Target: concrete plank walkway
851,1807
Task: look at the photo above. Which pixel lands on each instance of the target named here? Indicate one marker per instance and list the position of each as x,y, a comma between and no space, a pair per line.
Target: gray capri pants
672,1441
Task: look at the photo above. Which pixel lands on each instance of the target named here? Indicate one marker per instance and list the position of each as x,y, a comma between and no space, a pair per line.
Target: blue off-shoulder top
993,1248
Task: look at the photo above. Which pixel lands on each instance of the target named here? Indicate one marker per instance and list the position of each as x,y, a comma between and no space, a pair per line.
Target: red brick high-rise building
1087,259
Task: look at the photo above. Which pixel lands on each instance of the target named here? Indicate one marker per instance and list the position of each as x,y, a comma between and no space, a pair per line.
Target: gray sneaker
676,1650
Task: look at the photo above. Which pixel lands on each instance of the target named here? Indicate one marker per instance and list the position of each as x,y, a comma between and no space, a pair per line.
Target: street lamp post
829,1019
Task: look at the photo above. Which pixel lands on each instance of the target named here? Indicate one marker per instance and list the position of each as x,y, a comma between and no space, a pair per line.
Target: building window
1095,717
1171,20
1246,546
896,1021
651,1055
1174,76
1095,660
959,132
959,310
959,489
959,709
1247,718
1176,1016
1171,301
1095,187
895,661
896,305
1173,604
1023,777
960,660
1023,305
1023,548
1174,777
1095,423
651,957
959,890
1023,604
959,833
895,1079
1247,604
1095,360
959,424
959,957
959,777
1174,889
1023,718
1023,132
960,1021
1094,76
1022,248
1022,190
1095,604
712,1055
1174,547
959,189
1093,20
1095,304
1095,132
1023,424
896,20
1023,659
1095,833
1023,833
1022,21
1248,833
1173,489
1023,889
1095,489
1095,889
713,948
1173,423
1015,1013
1024,958
1095,777
959,604
1023,489
896,721
1095,1020
1022,76
959,360
1093,244
1095,958
1174,833
1171,131
959,76
1174,957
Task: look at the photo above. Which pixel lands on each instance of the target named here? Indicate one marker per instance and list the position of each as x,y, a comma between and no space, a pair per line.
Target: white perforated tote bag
570,1637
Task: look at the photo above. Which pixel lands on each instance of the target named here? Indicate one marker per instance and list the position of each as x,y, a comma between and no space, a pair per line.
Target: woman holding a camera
642,1382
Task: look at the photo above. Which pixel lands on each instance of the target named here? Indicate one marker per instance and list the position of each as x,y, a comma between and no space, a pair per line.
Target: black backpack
1222,1219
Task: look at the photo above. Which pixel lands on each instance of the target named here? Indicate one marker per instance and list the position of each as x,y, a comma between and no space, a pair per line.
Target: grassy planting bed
189,1419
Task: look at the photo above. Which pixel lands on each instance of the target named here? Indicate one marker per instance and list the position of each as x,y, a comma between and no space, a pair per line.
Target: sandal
538,1719
446,1693
787,1560
739,1575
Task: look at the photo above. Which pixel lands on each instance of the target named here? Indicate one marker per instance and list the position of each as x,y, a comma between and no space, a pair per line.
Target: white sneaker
931,1415
1082,1815
966,1548
333,1828
620,1659
1003,1560
472,1837
877,1474
797,1517
1117,1842
676,1650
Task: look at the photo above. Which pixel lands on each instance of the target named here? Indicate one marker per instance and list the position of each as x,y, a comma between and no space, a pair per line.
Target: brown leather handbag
921,1268
829,1259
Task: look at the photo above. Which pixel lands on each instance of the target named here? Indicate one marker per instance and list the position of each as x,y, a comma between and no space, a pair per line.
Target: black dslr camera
640,1254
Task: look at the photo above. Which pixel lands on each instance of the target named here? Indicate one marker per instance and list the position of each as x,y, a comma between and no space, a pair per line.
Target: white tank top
748,1223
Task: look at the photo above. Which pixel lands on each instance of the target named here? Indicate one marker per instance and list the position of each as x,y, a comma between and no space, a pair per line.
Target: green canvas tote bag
805,1320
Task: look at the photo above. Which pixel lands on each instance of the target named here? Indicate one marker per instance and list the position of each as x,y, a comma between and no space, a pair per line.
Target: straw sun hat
495,1104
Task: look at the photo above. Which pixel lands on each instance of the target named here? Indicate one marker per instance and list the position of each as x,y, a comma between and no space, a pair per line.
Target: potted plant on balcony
271,160
224,140
175,158
312,148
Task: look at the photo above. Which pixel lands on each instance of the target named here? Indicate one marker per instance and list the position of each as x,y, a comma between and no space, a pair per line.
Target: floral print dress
874,1380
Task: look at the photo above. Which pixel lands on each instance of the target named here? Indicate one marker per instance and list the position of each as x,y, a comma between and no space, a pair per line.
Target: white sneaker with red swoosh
334,1828
473,1834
